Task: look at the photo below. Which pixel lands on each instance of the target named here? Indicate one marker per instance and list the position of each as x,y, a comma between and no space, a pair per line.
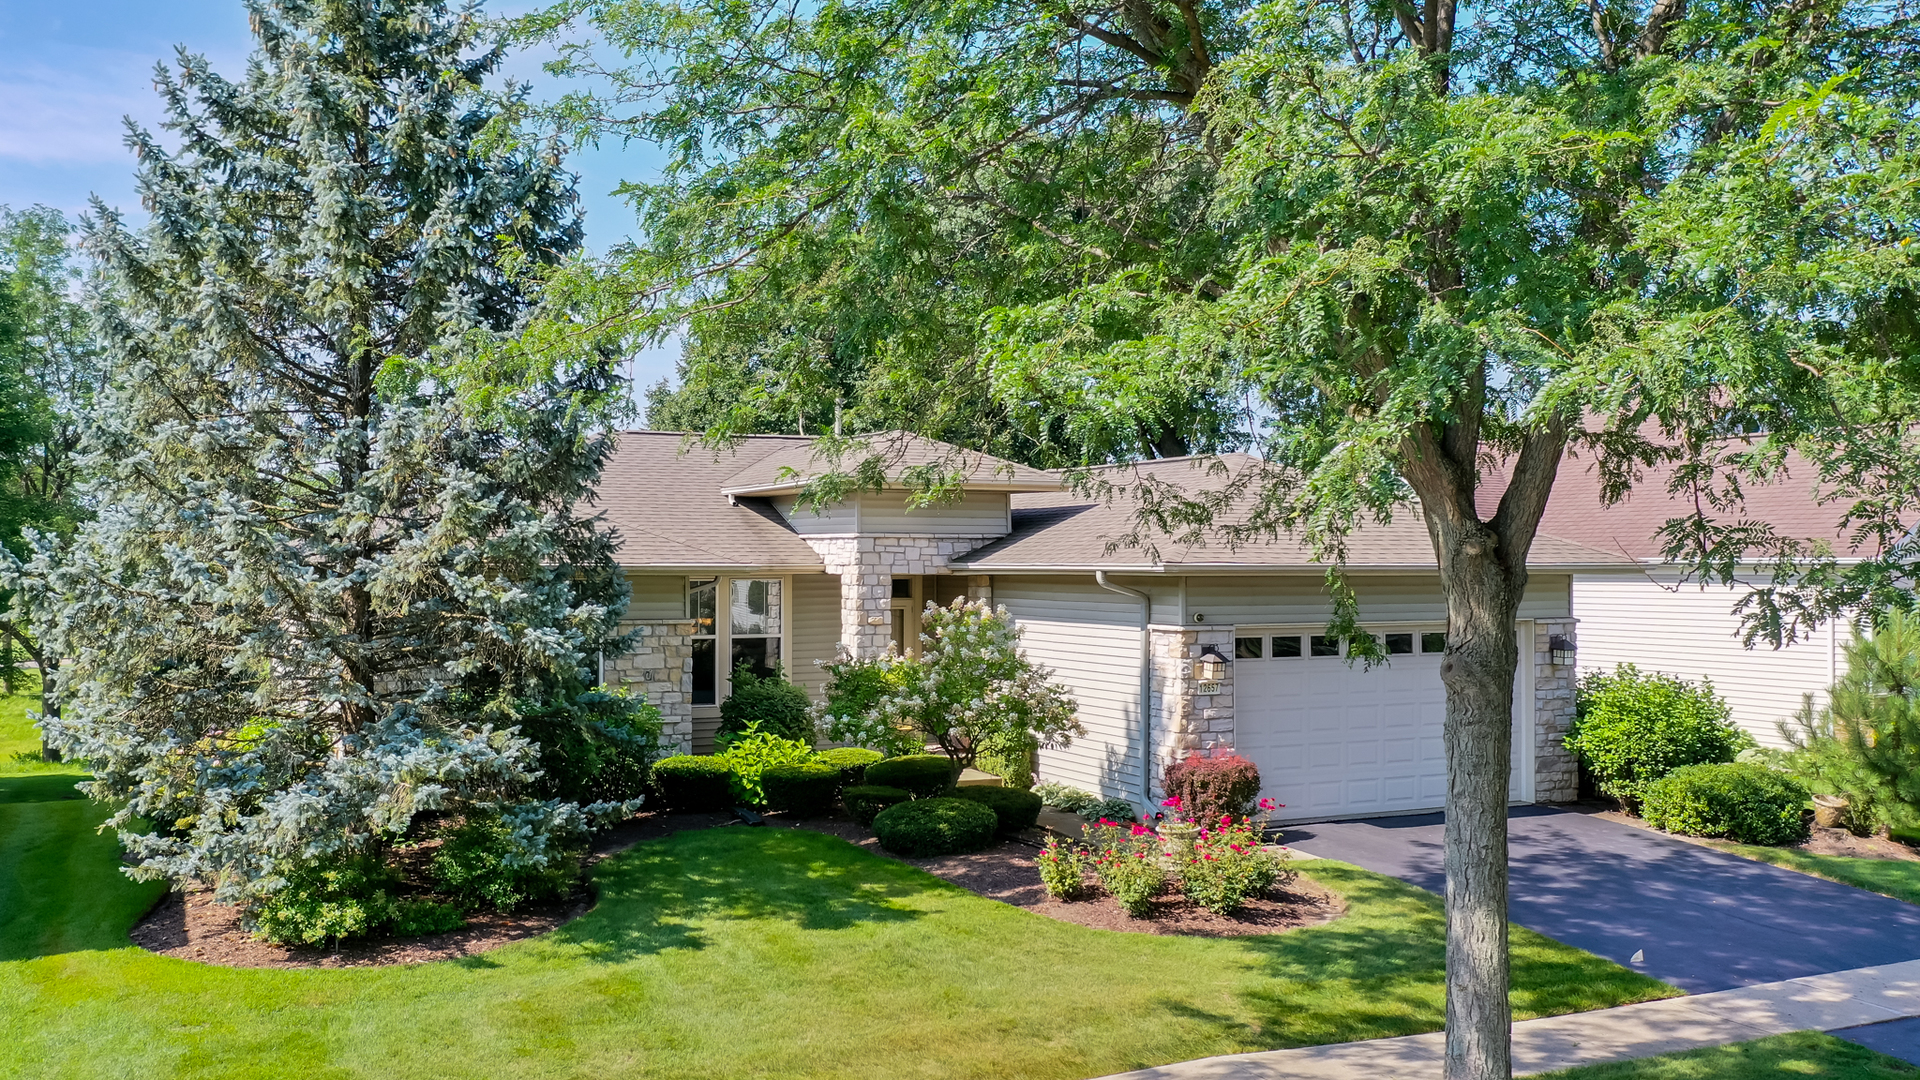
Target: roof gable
791,467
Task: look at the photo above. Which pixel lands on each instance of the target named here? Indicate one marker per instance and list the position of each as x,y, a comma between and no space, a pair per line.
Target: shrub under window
766,703
925,828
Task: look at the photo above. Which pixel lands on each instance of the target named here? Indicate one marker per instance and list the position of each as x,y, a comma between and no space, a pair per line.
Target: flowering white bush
969,690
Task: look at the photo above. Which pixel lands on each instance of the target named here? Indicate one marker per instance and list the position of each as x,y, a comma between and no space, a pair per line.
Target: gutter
1146,682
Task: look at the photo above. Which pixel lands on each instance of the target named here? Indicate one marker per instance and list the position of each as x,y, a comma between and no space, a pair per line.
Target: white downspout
1146,682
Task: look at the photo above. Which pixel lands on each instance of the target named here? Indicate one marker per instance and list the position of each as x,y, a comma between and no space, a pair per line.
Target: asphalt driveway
1699,919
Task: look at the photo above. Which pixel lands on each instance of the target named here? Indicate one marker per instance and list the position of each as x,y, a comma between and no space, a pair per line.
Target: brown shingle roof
1067,531
668,509
789,468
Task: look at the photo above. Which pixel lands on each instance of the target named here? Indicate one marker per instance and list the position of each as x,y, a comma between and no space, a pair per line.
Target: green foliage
1227,865
852,761
924,775
1743,801
1126,861
1631,729
338,549
356,897
1063,869
764,703
1012,760
855,687
594,745
1015,809
694,782
752,752
924,828
1066,797
864,801
1865,745
480,864
1119,810
804,790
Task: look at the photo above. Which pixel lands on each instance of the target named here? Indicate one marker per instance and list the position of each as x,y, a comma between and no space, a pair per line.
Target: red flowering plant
1229,862
1063,869
1126,860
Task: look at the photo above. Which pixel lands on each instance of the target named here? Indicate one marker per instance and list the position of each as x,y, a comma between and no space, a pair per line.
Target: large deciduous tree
325,565
1433,249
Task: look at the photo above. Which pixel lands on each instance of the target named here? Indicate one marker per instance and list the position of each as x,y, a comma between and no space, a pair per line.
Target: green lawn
20,740
1898,878
767,953
1803,1054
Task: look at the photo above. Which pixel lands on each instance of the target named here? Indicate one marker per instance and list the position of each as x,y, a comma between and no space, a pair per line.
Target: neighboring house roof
670,512
1791,504
1064,531
792,466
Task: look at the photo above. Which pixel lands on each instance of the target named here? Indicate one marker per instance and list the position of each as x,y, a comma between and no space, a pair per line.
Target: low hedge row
693,782
1742,801
924,775
851,761
805,790
865,800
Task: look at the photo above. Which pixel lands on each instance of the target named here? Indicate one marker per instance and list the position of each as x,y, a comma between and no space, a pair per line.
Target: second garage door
1333,739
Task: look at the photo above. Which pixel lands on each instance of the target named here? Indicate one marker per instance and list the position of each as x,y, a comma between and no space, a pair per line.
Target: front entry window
702,594
753,624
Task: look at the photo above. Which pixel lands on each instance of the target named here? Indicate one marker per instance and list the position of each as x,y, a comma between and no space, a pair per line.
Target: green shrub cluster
1065,797
766,703
851,761
1865,744
595,745
803,789
475,868
925,775
1015,809
864,801
1742,801
1010,758
1630,729
925,828
697,783
751,754
326,903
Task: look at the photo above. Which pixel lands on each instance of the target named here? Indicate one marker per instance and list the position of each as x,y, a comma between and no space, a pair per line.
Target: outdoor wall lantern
1560,649
1212,666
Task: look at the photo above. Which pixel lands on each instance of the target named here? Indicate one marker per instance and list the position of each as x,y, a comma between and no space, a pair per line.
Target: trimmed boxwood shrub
1210,787
850,761
1743,801
865,800
805,790
925,775
1016,809
1632,728
693,782
766,703
924,828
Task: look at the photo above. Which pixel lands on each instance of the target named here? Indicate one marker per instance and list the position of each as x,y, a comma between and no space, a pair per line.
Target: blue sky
75,67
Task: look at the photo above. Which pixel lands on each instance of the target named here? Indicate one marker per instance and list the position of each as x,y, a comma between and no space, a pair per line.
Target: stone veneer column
1186,721
867,566
980,587
659,669
1556,776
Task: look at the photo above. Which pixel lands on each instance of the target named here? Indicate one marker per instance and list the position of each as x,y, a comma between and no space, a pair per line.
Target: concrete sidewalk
1842,999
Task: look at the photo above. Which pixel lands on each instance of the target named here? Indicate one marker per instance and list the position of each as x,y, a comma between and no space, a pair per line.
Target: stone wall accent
867,566
1556,776
1184,719
660,668
980,587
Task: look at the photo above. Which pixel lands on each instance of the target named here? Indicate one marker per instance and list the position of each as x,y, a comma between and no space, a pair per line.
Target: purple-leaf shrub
1210,787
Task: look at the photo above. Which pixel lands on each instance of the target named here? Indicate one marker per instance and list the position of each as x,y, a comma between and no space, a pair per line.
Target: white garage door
1338,740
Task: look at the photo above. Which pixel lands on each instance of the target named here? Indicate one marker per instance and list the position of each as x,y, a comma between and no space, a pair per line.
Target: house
1195,645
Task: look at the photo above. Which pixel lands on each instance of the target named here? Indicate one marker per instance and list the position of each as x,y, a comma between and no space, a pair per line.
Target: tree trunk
1478,672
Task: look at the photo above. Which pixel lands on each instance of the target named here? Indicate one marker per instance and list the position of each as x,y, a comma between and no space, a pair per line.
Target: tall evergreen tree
322,562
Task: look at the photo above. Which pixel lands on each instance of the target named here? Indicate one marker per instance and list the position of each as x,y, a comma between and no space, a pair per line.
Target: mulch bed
1823,841
190,926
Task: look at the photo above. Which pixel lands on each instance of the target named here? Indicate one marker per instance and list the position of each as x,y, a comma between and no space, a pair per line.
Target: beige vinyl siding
1091,640
1657,624
815,633
978,513
840,518
1254,598
657,597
